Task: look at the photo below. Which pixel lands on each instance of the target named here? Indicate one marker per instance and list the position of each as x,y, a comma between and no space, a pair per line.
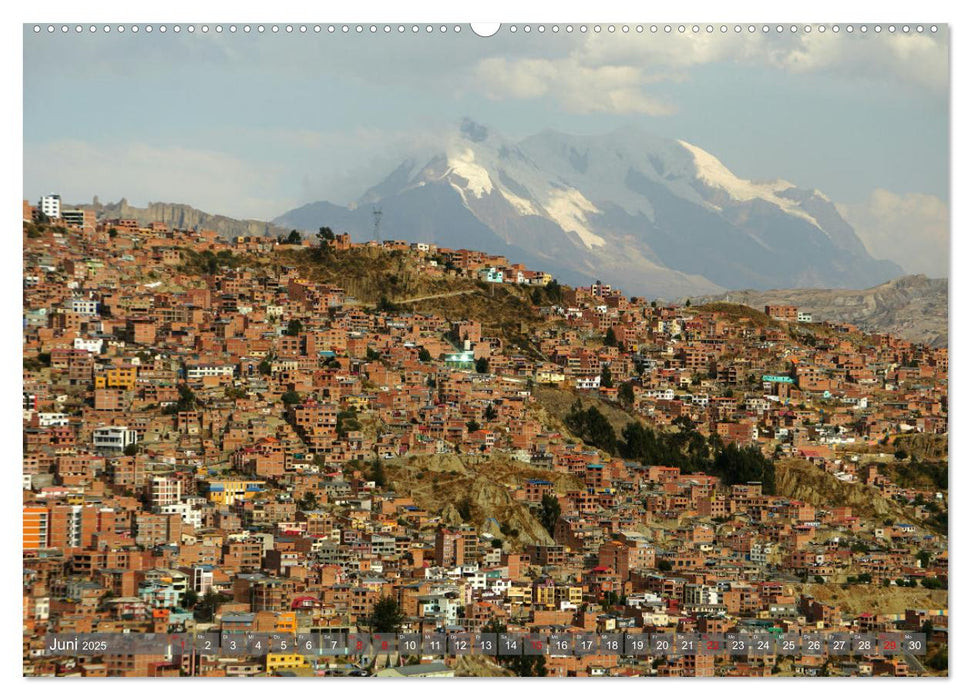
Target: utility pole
377,213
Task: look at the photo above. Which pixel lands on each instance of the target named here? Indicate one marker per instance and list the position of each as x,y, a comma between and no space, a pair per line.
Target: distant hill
912,307
184,216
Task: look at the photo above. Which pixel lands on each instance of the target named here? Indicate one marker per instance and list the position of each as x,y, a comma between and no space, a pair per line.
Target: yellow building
571,594
544,597
117,378
520,594
284,662
287,622
358,402
550,377
228,492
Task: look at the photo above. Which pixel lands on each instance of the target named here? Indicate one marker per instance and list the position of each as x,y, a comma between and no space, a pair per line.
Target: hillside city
312,435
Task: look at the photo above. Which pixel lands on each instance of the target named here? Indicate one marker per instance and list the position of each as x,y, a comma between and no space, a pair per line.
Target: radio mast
377,213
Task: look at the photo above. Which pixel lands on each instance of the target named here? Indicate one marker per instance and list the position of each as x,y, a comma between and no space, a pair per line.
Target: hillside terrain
862,598
799,480
468,488
914,307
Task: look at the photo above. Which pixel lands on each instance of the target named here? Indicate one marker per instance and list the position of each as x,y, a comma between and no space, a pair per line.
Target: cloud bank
910,229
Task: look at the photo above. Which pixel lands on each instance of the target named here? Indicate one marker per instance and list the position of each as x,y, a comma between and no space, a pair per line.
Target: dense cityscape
313,435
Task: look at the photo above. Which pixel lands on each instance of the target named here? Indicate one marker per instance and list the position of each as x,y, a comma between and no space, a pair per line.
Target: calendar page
529,349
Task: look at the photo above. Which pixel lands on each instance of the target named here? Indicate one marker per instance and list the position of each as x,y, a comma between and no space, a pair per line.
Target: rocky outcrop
185,217
802,481
914,307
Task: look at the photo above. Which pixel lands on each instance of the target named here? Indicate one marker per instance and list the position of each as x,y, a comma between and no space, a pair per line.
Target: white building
804,317
588,382
51,420
661,394
701,594
50,205
86,307
200,371
114,437
164,491
202,578
190,516
92,345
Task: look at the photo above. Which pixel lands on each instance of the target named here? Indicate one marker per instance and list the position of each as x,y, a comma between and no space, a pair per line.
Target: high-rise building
72,525
84,219
36,527
50,204
449,548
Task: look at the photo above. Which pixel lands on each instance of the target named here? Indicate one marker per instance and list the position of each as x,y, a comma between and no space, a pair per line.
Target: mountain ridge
185,216
913,307
659,217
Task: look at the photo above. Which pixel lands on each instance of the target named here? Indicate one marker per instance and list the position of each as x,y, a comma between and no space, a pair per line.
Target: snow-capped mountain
657,217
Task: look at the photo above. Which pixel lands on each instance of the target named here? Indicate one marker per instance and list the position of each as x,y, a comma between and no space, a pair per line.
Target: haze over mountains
656,217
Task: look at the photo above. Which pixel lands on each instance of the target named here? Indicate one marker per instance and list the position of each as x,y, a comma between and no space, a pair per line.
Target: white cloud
910,229
212,181
578,87
615,73
919,60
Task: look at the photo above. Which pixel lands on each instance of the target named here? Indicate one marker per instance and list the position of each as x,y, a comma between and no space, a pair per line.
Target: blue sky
252,125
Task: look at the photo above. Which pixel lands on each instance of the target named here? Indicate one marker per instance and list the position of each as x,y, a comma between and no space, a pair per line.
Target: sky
251,125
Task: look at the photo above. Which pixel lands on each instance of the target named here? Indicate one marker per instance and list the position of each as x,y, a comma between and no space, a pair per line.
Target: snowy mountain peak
655,215
713,173
461,162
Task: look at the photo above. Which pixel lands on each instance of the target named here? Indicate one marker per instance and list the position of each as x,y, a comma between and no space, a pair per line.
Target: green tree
424,355
132,450
741,465
482,365
610,340
189,599
938,661
187,399
386,306
464,508
294,327
626,394
325,235
472,426
308,501
289,398
490,412
347,421
387,617
526,666
592,427
549,513
206,607
606,378
377,473
294,238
